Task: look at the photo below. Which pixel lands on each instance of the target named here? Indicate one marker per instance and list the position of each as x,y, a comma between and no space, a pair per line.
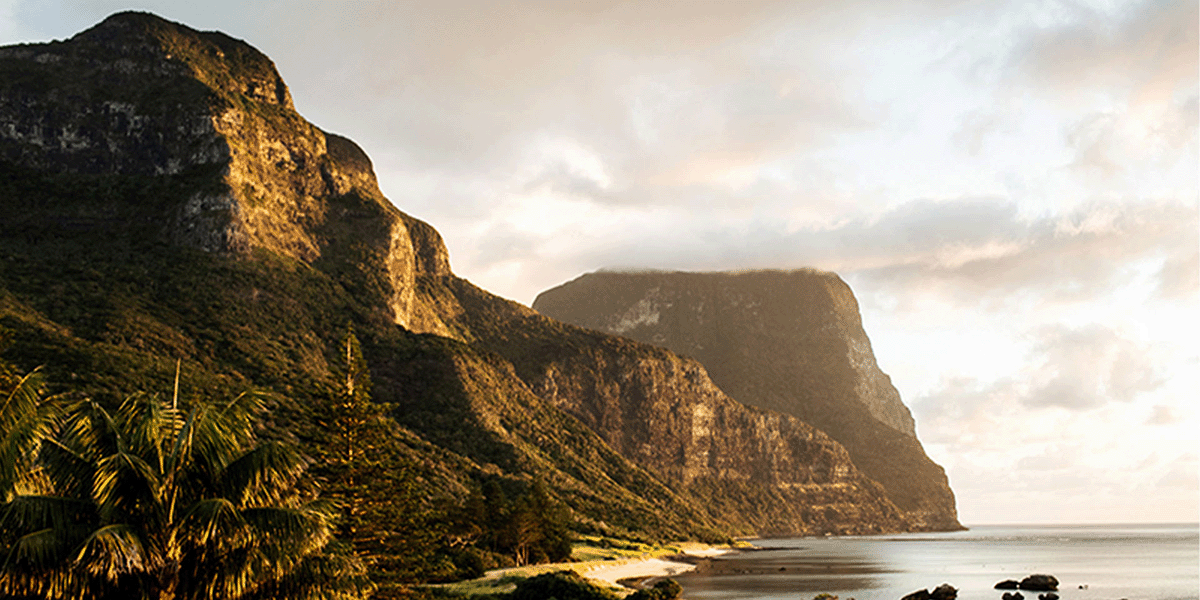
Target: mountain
787,341
162,200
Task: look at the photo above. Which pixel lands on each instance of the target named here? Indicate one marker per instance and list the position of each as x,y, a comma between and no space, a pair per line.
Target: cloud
1164,415
974,252
1088,367
988,250
1122,81
1068,372
1182,473
662,90
1147,51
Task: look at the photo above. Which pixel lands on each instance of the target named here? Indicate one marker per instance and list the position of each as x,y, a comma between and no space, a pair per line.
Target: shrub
666,589
561,585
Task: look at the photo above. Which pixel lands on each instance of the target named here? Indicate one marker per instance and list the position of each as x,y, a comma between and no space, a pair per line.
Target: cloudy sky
1009,187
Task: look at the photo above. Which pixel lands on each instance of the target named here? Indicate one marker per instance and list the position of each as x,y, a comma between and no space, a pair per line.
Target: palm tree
25,420
156,502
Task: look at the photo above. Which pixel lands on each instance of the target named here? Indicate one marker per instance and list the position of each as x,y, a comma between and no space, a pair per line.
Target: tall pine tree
386,521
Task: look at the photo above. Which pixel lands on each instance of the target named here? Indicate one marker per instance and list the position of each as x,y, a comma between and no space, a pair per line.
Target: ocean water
1092,562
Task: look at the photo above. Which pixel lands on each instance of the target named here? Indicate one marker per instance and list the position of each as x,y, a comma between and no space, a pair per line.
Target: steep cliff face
140,96
159,182
792,342
765,472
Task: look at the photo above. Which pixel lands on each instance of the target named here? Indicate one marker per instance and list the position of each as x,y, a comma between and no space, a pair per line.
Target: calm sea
1108,562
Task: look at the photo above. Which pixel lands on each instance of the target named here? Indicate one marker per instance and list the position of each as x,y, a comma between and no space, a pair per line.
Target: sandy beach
647,568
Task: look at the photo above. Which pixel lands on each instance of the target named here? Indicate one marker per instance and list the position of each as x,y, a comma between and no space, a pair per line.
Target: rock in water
944,592
941,592
789,341
1012,596
1040,583
1008,584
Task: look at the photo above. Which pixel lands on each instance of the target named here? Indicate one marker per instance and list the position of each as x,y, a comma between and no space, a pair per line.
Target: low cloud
975,252
987,251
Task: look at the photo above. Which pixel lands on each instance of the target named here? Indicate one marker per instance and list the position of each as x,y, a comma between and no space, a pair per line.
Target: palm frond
54,583
126,485
89,430
31,513
147,422
214,522
112,551
325,576
180,455
70,471
245,407
262,476
40,548
24,397
26,419
216,440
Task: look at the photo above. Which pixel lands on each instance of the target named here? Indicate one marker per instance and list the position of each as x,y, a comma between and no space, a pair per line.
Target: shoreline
621,574
642,572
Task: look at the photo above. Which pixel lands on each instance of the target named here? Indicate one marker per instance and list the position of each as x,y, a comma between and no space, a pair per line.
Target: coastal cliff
766,472
788,341
164,201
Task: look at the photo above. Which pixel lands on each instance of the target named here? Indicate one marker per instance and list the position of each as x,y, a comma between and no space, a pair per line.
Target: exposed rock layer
789,341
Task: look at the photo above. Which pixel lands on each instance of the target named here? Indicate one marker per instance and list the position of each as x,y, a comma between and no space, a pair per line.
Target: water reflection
1149,562
771,571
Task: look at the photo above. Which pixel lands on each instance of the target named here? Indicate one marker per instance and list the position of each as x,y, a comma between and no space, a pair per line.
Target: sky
1010,188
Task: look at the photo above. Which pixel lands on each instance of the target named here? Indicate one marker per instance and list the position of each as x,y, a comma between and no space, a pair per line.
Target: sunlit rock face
137,95
788,341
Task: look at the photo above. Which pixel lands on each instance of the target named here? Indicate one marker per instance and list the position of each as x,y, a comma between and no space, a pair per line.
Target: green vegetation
160,500
562,585
168,499
666,589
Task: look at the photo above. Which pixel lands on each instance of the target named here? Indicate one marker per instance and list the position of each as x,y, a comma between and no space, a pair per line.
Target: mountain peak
147,102
226,64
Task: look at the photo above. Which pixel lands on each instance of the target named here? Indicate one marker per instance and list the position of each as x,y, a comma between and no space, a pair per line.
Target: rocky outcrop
941,592
1040,583
789,341
137,95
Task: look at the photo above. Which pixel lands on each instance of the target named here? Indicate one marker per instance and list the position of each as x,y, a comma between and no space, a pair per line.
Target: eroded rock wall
789,341
137,95
766,472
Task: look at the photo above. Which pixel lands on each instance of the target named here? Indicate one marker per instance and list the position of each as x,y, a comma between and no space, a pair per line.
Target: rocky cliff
163,199
789,341
762,471
140,96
